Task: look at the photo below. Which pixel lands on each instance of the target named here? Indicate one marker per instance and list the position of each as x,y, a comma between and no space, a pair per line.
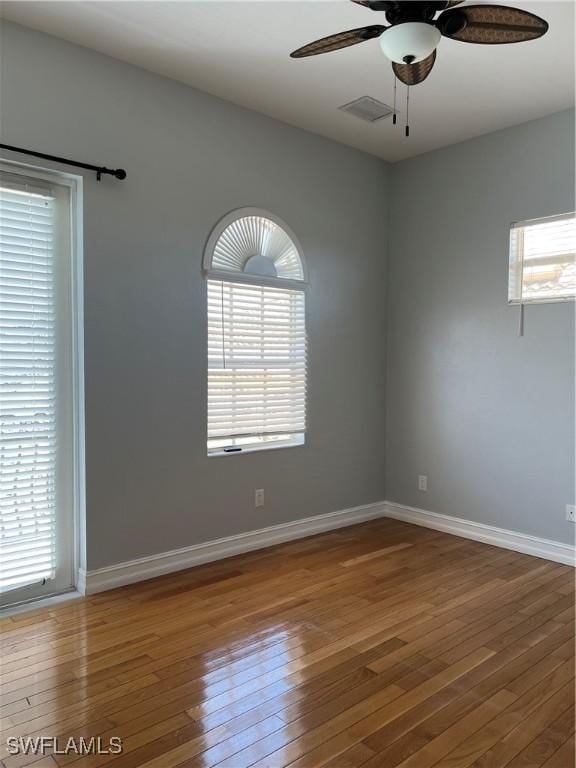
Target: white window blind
543,259
256,365
28,386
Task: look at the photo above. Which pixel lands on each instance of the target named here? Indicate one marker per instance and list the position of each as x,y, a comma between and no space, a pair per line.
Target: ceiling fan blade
491,24
340,40
412,74
388,5
377,5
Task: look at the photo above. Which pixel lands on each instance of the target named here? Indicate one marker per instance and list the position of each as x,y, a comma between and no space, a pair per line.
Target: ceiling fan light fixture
410,42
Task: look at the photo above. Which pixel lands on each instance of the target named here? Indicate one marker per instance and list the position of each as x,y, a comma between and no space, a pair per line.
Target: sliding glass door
37,393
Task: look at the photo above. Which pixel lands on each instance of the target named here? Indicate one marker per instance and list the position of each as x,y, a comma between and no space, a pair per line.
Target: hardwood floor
378,645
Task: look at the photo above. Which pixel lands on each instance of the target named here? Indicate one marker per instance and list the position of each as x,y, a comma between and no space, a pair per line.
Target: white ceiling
239,50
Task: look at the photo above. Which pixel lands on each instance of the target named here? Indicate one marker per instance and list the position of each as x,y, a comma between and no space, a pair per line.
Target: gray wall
192,158
488,416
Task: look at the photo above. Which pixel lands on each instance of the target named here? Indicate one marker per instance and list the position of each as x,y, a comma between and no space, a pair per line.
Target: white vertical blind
543,259
28,425
256,364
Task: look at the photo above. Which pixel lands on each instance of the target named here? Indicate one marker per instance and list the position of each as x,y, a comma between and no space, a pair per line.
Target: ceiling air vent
367,109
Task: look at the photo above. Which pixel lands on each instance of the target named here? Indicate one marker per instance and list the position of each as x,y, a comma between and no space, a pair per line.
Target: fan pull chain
407,129
394,117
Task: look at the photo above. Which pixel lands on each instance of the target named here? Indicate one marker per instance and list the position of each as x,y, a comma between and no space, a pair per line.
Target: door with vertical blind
37,413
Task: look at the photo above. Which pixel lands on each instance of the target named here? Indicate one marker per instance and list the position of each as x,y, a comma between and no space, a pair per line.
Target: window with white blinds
543,259
35,413
256,365
256,334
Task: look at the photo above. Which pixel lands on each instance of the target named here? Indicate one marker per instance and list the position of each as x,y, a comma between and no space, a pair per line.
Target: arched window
256,334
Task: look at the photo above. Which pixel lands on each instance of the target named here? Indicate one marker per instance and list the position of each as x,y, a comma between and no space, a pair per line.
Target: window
37,485
543,259
256,335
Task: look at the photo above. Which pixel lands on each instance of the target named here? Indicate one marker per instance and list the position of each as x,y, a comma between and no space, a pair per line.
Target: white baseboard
489,534
155,565
167,562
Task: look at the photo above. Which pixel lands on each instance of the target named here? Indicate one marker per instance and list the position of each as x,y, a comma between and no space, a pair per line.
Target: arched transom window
256,282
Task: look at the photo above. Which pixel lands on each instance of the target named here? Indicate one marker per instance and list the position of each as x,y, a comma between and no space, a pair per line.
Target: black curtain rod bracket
118,173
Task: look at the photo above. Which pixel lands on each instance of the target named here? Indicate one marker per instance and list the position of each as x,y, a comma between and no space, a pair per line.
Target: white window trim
272,282
298,440
76,542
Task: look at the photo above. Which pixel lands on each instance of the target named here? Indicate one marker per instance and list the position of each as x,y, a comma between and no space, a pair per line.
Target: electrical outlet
422,482
259,497
571,512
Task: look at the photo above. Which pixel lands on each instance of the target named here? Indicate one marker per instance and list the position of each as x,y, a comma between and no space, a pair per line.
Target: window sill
256,449
526,302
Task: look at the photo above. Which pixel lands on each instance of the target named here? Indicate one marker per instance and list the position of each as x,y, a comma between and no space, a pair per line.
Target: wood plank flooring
378,645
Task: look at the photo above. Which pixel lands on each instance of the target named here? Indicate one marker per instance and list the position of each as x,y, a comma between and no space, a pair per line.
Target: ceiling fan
415,29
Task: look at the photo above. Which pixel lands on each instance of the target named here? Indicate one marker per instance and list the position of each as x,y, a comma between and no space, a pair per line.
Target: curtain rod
119,173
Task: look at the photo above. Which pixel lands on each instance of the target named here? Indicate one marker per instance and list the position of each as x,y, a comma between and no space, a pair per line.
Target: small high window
543,260
256,334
